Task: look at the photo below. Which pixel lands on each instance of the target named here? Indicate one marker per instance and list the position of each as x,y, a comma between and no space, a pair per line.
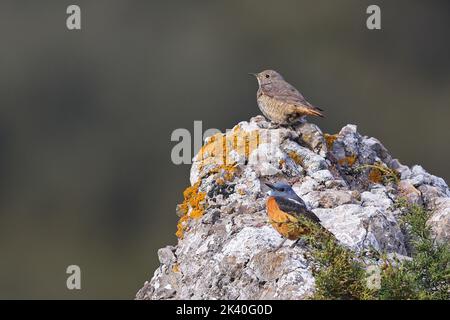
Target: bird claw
274,126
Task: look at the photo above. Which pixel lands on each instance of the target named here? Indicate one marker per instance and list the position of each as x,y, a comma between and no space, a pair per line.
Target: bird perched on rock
288,213
279,101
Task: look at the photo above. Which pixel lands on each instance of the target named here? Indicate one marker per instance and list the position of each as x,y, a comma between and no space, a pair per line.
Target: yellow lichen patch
330,139
294,156
192,207
196,213
348,161
217,149
190,198
176,268
181,226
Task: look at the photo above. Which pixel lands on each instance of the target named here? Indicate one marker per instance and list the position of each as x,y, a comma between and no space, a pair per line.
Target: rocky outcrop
226,246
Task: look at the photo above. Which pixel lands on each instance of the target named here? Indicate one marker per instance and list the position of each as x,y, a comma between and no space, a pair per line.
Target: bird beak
271,186
253,74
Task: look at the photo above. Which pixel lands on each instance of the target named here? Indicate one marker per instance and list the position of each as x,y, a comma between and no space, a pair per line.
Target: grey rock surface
227,251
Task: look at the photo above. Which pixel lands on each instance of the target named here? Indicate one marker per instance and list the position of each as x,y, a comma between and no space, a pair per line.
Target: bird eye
267,76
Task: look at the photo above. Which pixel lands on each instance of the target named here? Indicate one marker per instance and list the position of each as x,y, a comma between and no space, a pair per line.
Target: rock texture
350,181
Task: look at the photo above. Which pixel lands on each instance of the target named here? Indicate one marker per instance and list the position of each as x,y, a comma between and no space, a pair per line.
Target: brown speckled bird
285,210
279,101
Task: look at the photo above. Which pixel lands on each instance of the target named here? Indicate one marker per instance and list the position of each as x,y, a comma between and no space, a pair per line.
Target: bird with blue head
287,211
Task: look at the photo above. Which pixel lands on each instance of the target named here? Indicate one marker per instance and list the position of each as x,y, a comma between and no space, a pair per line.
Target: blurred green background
86,116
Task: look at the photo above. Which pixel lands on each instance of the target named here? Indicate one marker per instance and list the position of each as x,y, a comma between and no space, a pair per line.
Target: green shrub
340,274
427,275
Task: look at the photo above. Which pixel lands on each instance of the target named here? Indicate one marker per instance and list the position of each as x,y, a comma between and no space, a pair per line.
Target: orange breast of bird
286,224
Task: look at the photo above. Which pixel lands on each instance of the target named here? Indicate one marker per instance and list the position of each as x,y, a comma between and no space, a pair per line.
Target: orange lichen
191,207
348,161
181,226
294,156
176,268
217,149
190,198
196,213
330,139
220,181
215,157
375,175
380,173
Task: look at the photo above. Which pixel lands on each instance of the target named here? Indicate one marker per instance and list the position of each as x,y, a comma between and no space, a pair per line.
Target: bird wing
285,92
295,208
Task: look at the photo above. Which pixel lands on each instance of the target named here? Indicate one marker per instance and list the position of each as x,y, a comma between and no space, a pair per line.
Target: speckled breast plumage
275,110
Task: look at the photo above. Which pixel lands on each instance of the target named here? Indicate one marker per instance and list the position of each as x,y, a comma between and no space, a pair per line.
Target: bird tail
317,112
310,110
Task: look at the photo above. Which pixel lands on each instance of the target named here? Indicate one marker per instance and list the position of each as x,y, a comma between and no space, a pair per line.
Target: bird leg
291,246
295,243
280,245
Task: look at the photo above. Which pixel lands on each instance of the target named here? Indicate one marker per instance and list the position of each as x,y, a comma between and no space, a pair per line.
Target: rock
347,142
404,171
226,245
303,157
305,186
362,228
329,198
407,190
420,177
377,197
312,137
322,176
440,220
266,159
429,195
376,150
166,256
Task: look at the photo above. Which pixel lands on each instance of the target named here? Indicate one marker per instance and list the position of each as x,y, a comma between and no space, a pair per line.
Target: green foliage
427,275
397,283
338,274
380,173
